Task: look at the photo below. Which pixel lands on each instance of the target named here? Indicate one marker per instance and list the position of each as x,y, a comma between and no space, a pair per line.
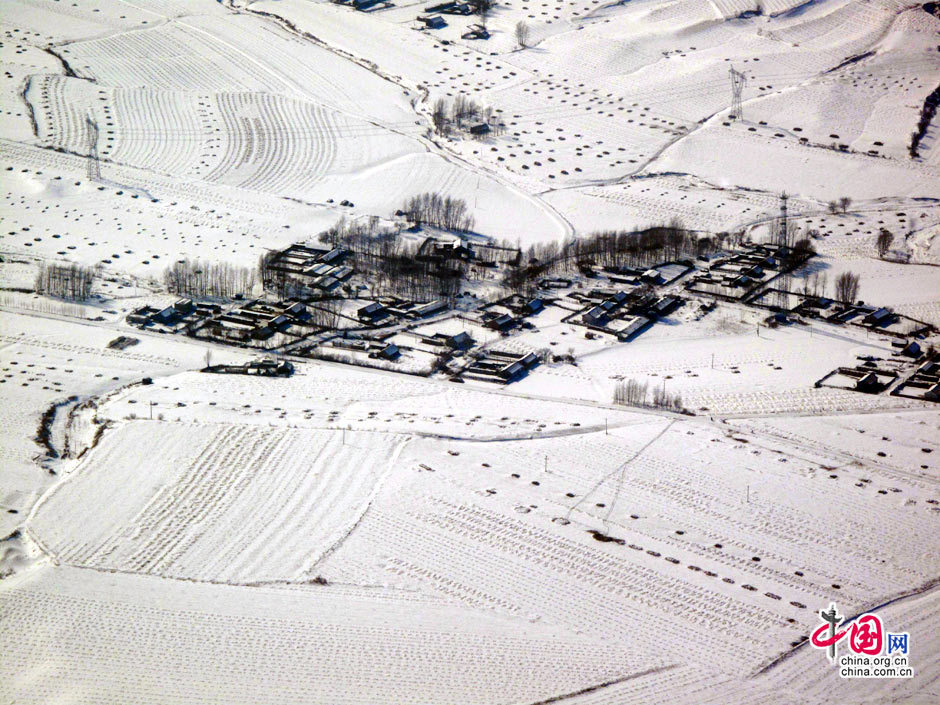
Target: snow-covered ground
353,536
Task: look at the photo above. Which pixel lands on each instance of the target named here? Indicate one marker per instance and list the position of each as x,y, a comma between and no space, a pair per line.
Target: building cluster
509,313
258,320
737,275
181,313
383,309
910,372
303,267
621,313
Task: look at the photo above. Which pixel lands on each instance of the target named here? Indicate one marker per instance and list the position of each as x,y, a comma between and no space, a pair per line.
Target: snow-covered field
353,536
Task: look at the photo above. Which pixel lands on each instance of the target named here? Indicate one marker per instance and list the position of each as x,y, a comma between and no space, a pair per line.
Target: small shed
929,368
433,21
529,361
511,371
334,256
634,326
297,310
665,305
479,129
428,309
868,383
278,322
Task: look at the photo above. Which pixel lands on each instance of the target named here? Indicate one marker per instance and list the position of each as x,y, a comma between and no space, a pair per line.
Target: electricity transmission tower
782,238
94,167
782,223
738,81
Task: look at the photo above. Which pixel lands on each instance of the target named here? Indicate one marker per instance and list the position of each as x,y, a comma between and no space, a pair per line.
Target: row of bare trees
67,281
630,392
198,278
440,211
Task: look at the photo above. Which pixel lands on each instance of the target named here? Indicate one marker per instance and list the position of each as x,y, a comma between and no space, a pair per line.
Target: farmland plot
727,155
492,526
195,54
231,138
798,674
45,362
227,504
129,639
54,212
907,448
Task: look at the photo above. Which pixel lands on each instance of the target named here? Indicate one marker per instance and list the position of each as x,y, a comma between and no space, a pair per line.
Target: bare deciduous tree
885,238
439,117
844,203
522,34
847,287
